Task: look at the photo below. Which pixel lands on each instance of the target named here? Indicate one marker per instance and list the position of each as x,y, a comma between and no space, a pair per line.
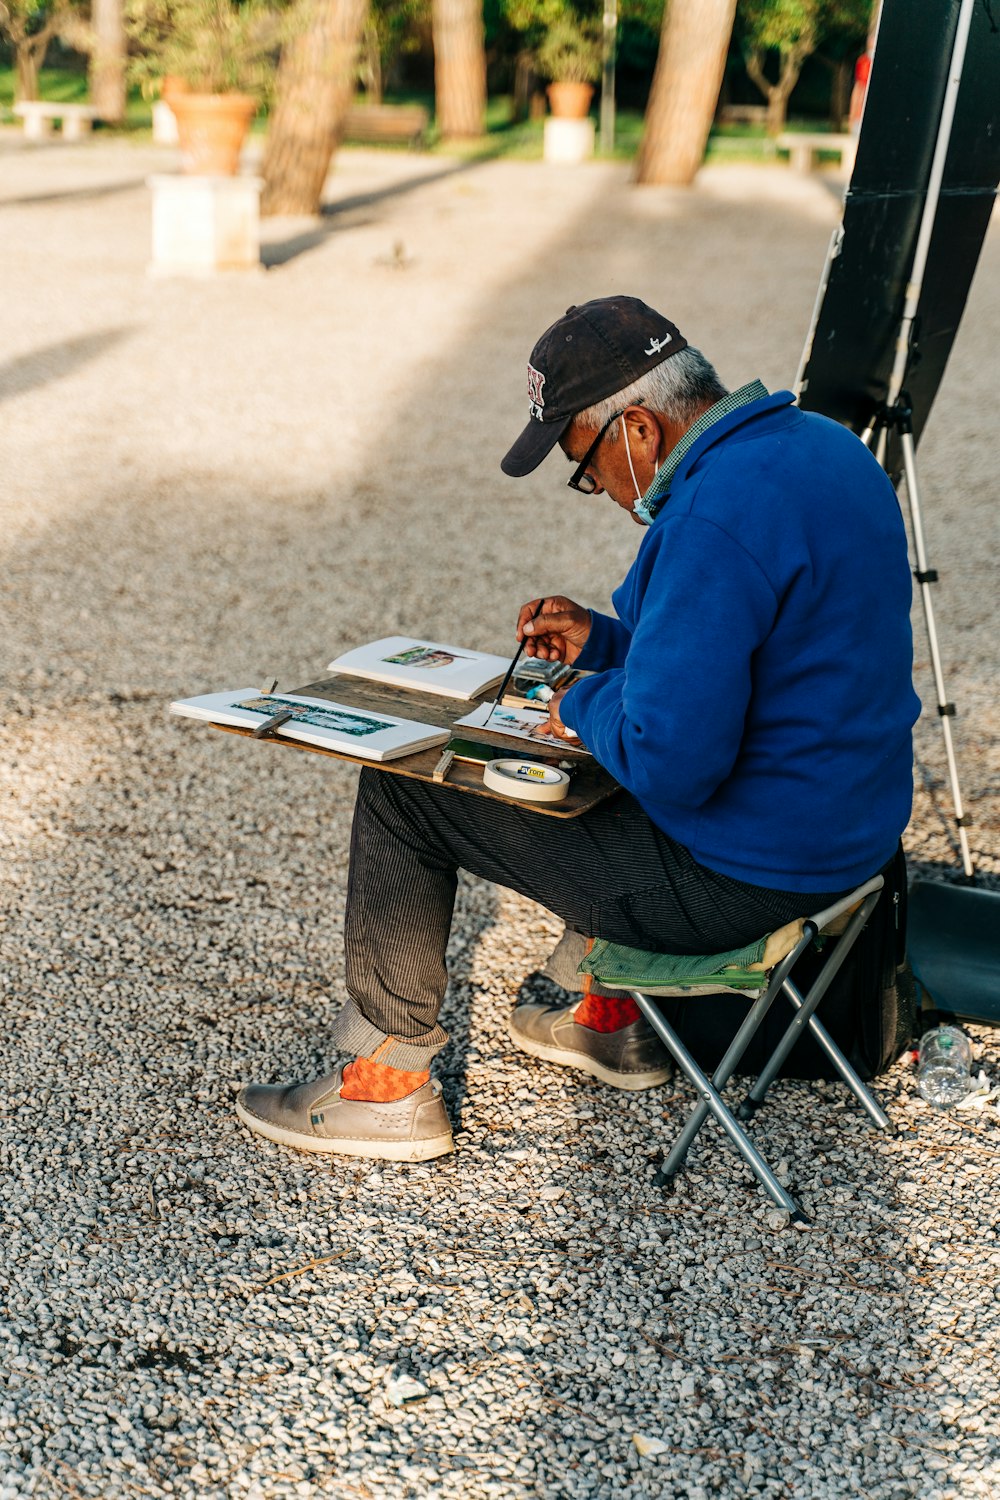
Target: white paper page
520,723
317,721
453,671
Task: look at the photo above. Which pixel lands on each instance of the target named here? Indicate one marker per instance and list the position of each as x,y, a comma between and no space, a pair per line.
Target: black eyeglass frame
580,480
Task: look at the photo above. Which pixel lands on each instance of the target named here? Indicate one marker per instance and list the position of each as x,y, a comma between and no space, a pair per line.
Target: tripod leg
925,577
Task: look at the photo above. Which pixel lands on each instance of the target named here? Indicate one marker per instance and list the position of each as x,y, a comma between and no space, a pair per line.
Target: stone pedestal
164,124
568,141
205,224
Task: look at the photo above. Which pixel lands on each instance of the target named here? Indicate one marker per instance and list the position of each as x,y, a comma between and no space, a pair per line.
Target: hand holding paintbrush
552,629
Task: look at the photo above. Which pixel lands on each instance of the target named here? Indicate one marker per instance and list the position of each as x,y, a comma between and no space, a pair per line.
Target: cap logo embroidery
657,345
535,382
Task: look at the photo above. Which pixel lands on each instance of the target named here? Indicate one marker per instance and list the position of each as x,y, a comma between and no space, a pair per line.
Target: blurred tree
313,90
789,29
107,59
389,32
29,26
459,68
693,46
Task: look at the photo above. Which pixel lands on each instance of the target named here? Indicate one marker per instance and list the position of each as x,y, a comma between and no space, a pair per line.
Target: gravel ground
229,481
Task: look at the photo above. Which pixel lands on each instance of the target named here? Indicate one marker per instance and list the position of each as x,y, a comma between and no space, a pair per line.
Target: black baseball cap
593,351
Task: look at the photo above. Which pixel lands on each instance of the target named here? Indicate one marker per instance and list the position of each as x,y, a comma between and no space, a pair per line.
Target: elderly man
752,698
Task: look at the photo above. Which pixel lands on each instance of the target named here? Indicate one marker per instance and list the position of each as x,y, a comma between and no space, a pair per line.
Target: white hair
678,388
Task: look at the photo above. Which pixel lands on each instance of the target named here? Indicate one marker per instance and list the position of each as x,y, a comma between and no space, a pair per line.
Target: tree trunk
27,72
525,80
692,57
840,93
29,56
777,110
778,94
459,68
313,90
107,60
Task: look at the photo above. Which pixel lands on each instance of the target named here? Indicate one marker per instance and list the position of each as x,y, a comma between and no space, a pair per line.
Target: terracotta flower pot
212,129
172,85
570,101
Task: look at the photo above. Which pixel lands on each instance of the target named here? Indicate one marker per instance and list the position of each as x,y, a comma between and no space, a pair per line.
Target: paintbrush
510,670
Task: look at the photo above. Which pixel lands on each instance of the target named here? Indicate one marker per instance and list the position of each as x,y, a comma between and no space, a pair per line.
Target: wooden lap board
590,784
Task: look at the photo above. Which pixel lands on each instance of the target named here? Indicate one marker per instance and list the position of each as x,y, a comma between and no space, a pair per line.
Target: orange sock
376,1083
599,1011
606,1012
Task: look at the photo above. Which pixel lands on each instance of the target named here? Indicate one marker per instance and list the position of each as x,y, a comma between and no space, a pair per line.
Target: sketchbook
316,721
520,723
401,661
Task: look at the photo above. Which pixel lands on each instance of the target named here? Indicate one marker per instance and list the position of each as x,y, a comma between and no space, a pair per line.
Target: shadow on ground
55,361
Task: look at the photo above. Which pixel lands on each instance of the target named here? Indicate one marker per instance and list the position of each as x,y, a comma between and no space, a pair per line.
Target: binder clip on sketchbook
276,720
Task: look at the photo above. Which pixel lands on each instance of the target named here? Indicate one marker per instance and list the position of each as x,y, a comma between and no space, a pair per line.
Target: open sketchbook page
451,671
315,721
520,723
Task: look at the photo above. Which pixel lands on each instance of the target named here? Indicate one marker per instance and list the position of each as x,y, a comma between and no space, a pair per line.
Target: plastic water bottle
944,1067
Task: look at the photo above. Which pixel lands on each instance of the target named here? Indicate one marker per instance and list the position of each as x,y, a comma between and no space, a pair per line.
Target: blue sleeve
607,644
668,722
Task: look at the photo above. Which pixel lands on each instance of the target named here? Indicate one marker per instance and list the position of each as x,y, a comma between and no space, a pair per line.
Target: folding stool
644,976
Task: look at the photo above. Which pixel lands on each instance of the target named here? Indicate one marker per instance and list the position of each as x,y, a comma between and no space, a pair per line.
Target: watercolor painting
338,719
425,657
520,723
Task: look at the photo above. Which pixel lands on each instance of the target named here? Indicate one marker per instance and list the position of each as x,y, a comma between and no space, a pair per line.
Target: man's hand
558,633
555,726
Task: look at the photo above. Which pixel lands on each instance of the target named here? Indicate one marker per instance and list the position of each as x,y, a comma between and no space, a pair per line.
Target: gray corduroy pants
610,873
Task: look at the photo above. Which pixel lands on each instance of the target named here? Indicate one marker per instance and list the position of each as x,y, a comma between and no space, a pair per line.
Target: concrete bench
39,116
804,149
375,123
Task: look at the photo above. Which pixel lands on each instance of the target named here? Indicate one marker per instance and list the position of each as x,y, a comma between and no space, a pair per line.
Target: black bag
869,1009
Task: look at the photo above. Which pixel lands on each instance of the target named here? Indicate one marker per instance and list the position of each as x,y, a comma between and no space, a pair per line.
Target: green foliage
844,26
532,18
391,30
647,13
22,17
800,25
564,37
571,51
779,25
21,20
216,46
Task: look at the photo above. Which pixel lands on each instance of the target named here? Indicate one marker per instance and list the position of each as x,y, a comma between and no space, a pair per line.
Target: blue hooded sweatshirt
754,694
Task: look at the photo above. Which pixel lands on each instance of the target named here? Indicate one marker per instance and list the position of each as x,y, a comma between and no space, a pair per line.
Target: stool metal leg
729,1063
857,1087
800,1020
712,1101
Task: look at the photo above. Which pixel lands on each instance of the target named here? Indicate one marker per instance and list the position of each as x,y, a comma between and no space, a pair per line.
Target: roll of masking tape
526,779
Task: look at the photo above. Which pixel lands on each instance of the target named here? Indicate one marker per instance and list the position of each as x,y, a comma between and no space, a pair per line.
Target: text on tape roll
526,779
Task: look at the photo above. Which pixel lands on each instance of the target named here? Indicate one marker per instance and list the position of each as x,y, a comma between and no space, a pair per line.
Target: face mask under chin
639,510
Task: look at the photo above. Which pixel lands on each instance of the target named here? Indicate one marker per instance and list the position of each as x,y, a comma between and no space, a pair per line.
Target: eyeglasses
581,480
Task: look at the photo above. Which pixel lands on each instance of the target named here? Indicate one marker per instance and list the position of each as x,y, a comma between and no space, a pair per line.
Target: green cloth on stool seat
674,973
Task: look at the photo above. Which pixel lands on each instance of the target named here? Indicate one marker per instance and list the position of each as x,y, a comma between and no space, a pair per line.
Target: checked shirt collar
649,507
